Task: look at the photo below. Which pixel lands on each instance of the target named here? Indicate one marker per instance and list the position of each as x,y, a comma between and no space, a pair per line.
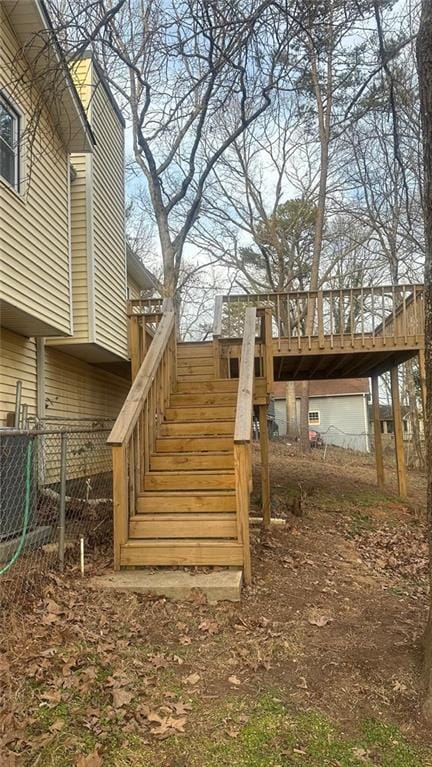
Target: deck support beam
265,470
422,371
379,459
398,433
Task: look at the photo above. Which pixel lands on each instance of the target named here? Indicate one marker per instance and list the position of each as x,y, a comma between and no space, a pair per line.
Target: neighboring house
338,410
64,274
387,422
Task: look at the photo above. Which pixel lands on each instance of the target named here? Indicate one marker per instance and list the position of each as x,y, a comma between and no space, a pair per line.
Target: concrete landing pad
219,586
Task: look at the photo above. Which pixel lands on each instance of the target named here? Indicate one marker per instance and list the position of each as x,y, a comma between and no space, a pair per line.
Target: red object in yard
315,439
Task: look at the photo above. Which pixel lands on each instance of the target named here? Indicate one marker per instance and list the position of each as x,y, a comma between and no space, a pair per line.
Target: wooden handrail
129,414
325,292
243,421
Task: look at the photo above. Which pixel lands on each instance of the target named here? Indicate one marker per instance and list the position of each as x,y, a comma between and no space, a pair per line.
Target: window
314,418
9,143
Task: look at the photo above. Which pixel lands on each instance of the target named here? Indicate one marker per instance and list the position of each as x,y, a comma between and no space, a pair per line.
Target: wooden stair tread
138,542
185,493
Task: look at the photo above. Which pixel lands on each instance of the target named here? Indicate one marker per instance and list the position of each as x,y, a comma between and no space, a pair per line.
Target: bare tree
178,68
424,63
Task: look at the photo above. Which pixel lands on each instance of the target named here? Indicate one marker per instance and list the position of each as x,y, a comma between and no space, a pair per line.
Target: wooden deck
356,332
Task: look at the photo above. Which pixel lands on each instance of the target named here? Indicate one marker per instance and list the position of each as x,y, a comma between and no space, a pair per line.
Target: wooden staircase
176,471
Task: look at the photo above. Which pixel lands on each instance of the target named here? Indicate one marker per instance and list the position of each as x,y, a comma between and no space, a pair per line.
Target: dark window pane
7,163
6,125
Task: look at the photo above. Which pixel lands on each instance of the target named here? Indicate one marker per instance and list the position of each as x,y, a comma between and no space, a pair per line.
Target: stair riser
172,504
143,528
193,444
189,351
206,368
200,413
194,462
203,399
216,385
193,378
182,481
198,428
181,555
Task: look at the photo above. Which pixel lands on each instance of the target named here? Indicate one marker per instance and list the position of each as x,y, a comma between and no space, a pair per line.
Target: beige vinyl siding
34,224
79,247
74,388
18,362
108,225
133,288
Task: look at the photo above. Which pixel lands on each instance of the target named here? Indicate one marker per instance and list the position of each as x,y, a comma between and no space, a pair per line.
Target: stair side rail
243,437
133,435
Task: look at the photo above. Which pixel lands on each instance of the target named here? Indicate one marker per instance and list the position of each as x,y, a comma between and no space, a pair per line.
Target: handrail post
241,467
268,349
120,501
217,333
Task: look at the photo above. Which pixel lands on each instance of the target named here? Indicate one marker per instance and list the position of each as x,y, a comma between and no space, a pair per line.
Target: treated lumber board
192,461
179,502
398,434
189,350
197,428
193,444
185,414
243,424
185,552
242,471
132,406
198,365
379,457
201,377
213,386
197,525
265,468
121,501
203,399
195,370
189,480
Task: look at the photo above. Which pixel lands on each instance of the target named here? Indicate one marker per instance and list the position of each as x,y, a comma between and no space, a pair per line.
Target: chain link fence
55,500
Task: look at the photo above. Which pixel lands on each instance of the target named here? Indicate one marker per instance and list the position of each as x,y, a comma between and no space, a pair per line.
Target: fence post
62,509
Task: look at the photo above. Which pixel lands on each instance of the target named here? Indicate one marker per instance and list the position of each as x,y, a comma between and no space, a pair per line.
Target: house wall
342,420
34,222
97,226
73,388
18,362
108,225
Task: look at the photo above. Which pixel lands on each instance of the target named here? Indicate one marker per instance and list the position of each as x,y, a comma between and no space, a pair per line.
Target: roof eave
33,28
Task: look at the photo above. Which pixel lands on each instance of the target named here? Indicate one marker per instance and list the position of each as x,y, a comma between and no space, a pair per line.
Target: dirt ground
319,665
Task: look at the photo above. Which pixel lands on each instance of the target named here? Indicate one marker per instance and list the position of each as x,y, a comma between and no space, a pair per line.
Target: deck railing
133,435
394,313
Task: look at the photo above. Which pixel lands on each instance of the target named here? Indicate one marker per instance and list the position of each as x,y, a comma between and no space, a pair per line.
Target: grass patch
268,735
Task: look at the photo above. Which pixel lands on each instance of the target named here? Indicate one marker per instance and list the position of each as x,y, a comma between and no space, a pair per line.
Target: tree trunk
304,416
414,412
424,64
291,411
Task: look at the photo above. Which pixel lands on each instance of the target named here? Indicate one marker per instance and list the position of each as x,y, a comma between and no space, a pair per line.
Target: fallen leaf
91,760
234,680
192,678
182,708
320,620
121,697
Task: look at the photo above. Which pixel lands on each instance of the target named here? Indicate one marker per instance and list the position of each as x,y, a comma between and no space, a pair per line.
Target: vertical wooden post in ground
398,433
120,501
379,459
268,349
241,464
265,470
422,371
291,410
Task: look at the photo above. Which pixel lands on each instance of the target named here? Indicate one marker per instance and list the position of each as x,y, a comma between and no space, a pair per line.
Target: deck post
422,372
379,459
265,471
398,433
134,349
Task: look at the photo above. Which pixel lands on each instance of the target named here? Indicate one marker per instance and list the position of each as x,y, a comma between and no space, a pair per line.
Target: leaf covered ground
319,666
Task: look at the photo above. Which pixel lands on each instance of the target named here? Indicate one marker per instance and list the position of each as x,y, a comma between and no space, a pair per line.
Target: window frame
315,422
16,148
